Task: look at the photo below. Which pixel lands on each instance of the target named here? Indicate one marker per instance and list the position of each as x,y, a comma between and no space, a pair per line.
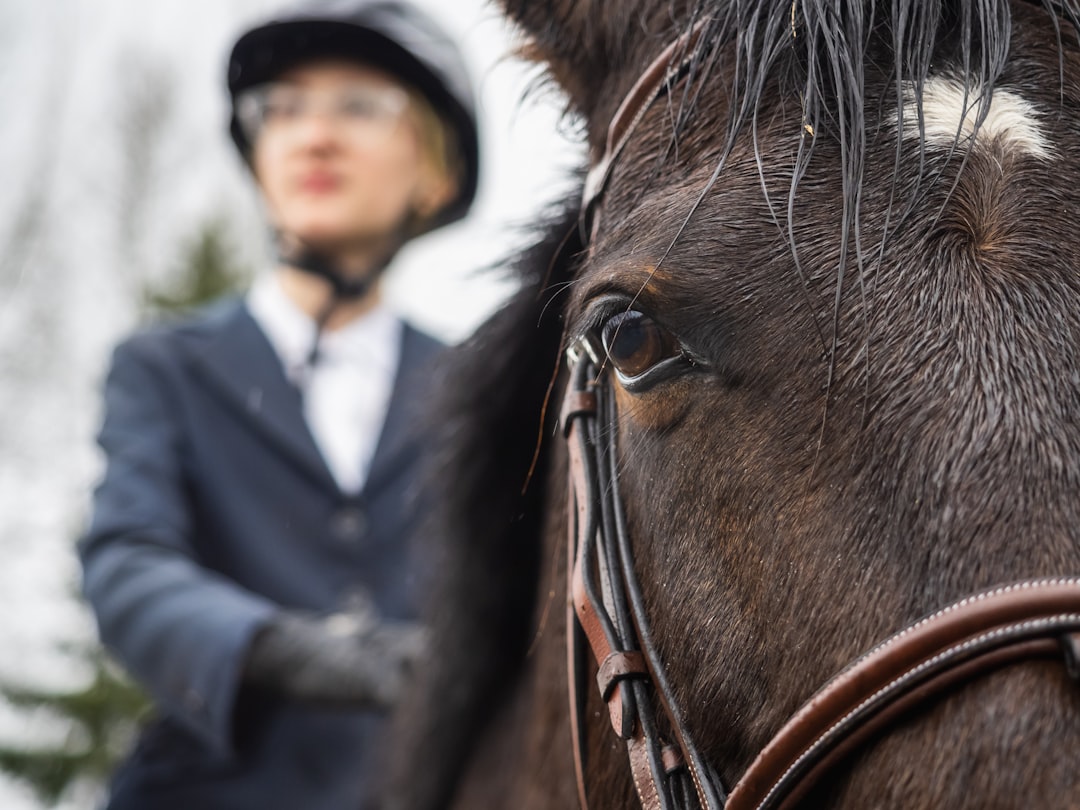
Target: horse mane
483,542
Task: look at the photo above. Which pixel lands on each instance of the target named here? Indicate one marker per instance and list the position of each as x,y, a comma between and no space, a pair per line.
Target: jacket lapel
403,428
238,362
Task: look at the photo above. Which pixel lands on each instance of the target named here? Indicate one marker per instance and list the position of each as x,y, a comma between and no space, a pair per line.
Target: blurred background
122,198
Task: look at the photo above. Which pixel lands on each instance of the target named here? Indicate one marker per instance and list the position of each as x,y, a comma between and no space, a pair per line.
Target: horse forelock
943,58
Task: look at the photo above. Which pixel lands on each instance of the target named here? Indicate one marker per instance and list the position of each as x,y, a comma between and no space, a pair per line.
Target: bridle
974,636
605,608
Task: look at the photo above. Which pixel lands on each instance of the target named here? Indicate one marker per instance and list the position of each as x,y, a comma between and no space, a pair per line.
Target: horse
822,300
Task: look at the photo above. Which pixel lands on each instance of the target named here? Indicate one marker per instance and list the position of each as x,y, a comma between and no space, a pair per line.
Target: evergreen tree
208,272
101,721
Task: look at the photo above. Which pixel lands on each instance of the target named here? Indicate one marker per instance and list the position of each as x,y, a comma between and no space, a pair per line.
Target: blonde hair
439,146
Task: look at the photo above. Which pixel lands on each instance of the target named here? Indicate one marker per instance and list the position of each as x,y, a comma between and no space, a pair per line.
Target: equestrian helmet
391,35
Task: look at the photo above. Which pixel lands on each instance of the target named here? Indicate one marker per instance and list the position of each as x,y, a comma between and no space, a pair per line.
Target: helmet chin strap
342,288
295,253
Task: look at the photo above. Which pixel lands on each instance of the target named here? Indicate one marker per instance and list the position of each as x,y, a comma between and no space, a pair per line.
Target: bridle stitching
965,602
984,640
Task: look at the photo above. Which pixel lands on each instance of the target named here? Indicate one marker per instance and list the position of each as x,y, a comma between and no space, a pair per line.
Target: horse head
830,279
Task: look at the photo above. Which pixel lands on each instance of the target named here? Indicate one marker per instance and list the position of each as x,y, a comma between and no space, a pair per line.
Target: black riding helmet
388,34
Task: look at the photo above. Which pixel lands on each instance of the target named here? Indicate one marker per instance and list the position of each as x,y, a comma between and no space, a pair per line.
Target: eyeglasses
364,113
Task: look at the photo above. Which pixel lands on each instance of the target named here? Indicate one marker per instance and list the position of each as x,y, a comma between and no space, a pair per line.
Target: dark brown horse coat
856,224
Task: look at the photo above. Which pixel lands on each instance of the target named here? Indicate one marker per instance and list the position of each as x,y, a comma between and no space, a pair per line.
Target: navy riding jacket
216,510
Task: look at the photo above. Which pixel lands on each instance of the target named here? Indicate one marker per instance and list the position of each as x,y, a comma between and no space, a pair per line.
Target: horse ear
594,49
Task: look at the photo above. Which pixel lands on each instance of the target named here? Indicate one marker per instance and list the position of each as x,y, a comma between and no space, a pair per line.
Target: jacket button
349,524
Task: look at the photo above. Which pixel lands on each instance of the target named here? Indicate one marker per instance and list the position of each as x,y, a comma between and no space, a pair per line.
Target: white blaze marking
1011,121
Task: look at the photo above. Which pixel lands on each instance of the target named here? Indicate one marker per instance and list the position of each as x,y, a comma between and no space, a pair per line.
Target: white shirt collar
371,341
347,392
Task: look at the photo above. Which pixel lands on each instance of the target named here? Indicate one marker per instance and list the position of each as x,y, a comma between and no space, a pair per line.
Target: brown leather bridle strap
607,610
658,78
901,709
582,606
647,759
970,638
576,403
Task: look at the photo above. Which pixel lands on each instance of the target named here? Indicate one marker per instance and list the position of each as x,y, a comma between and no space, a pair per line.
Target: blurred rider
247,560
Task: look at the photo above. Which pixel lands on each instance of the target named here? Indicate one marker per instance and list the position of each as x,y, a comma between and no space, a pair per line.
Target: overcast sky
114,155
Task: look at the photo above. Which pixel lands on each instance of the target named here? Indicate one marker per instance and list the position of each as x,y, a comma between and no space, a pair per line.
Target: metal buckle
585,345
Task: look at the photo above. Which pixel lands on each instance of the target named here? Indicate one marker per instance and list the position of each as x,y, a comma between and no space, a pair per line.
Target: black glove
344,659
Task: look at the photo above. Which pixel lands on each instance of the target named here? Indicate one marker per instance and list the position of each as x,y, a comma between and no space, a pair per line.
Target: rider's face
338,156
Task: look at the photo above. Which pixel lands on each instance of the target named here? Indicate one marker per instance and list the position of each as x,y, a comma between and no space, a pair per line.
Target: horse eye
636,343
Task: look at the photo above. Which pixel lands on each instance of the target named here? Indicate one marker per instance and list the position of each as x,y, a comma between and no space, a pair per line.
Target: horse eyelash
598,312
606,306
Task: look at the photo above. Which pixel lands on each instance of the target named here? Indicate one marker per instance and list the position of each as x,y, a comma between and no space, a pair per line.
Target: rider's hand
346,659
